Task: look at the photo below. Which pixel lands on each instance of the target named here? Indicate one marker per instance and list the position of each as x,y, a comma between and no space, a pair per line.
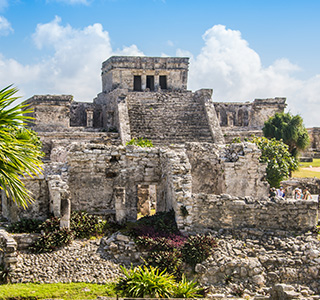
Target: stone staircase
170,118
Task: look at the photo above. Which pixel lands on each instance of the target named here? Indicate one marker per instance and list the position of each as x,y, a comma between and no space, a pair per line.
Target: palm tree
20,148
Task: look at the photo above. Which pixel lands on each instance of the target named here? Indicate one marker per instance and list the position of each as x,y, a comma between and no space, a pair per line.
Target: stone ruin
209,184
212,185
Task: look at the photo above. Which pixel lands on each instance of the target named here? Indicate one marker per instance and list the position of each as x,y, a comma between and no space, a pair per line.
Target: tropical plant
280,163
20,148
289,129
141,142
198,248
187,289
141,282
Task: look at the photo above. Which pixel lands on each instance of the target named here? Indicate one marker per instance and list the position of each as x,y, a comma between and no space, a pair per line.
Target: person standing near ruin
307,194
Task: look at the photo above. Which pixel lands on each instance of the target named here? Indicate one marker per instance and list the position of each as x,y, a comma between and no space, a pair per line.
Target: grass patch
66,291
314,164
307,173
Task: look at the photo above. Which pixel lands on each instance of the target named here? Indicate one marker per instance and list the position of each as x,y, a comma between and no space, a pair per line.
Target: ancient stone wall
50,112
39,209
119,72
95,171
225,211
248,114
232,169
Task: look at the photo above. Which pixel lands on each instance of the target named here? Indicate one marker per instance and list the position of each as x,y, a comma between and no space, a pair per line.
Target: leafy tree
289,129
20,148
280,163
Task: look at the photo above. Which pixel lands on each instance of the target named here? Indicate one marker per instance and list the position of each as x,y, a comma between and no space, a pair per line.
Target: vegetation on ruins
141,142
167,249
289,129
280,163
82,225
147,281
20,148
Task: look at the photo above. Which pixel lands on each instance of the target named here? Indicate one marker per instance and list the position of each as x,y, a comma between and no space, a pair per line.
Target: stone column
89,112
120,203
143,82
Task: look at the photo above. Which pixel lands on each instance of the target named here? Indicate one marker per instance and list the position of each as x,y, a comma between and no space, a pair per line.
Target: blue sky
241,49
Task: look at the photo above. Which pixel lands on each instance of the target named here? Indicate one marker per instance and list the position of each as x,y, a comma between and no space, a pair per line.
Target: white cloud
75,66
5,26
227,64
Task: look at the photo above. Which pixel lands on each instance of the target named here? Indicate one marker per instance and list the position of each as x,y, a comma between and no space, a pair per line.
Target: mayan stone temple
193,168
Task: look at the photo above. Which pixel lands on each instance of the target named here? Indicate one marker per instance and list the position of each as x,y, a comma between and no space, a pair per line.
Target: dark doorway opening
150,82
163,82
137,83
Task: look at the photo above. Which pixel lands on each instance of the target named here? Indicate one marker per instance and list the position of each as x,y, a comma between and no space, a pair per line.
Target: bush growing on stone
160,224
85,225
197,248
169,261
25,226
145,281
141,142
187,289
51,241
50,225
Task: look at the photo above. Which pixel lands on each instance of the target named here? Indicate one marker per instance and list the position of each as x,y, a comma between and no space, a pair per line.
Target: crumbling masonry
209,184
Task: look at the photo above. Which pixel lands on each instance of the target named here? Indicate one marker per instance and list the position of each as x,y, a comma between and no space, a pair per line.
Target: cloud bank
234,71
226,63
75,66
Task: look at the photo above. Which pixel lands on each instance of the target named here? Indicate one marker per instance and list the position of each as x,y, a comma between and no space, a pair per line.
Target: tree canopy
280,163
289,129
20,148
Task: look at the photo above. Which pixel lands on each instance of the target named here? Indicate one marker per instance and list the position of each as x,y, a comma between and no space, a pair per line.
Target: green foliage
169,261
197,248
280,163
162,223
25,226
20,149
50,225
82,225
52,241
187,289
85,225
141,142
236,140
140,282
289,129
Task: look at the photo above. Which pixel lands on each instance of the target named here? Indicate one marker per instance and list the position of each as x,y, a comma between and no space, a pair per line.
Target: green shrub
25,226
160,224
141,142
187,289
140,282
85,226
169,261
51,241
50,225
197,248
